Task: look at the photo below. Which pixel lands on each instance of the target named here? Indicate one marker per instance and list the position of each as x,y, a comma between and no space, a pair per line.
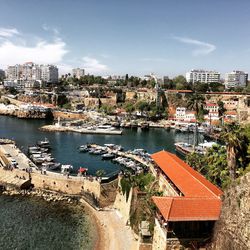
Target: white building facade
236,78
78,73
32,72
202,76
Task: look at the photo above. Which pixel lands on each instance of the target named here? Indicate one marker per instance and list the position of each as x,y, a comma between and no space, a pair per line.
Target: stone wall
66,185
165,187
67,115
232,231
159,239
54,182
123,205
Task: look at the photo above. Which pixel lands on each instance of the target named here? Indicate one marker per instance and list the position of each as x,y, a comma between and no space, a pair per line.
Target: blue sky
167,37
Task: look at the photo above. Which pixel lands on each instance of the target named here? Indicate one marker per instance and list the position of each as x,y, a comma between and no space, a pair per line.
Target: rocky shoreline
47,195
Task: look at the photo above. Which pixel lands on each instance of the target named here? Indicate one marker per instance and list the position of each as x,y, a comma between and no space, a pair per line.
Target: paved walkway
117,236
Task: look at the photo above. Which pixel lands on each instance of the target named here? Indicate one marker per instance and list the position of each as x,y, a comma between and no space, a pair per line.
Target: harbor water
32,223
65,144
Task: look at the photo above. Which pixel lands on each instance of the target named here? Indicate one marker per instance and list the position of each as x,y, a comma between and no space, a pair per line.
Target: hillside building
202,76
236,78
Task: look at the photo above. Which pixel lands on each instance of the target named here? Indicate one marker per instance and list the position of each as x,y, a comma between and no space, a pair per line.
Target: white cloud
14,51
204,48
92,65
8,32
43,52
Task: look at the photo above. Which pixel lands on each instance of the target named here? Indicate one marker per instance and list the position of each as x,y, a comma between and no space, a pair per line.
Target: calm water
26,132
31,223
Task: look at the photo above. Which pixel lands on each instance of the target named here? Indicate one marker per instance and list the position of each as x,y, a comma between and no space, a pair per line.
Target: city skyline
127,37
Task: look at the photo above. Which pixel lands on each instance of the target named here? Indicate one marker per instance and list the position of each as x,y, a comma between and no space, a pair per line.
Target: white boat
106,127
66,169
108,156
51,165
44,144
84,148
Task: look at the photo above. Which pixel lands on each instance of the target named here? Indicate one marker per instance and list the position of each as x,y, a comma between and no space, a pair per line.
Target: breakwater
58,128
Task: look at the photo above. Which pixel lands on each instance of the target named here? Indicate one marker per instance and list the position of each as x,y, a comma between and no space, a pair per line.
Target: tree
216,87
180,79
221,110
142,106
200,87
213,165
129,107
236,143
196,103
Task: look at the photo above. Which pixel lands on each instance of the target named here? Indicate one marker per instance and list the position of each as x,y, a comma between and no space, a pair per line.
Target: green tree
179,79
236,143
196,102
129,107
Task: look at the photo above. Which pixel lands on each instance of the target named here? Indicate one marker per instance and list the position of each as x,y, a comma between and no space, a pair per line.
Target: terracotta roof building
190,205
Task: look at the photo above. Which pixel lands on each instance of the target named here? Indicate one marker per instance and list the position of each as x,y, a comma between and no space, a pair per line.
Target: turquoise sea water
32,223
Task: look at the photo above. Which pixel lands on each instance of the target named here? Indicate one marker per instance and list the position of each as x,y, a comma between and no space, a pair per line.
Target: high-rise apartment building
236,78
49,73
30,71
77,72
202,76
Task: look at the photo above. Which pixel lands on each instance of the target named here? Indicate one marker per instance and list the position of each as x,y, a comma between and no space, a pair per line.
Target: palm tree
196,103
236,142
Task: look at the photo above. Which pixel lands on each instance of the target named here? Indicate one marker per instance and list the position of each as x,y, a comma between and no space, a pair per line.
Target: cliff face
232,231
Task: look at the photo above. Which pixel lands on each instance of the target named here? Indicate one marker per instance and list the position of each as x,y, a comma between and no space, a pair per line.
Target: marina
152,140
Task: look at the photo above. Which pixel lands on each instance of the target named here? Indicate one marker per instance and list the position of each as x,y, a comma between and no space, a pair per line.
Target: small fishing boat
84,148
108,156
44,144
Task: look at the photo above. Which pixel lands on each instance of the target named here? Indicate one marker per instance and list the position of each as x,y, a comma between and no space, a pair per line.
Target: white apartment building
30,71
49,73
236,78
180,113
78,72
202,76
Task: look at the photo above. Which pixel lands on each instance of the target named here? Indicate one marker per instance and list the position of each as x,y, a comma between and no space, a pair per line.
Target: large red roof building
190,203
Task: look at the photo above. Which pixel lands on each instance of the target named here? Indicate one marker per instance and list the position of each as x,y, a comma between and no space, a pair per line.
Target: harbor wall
71,185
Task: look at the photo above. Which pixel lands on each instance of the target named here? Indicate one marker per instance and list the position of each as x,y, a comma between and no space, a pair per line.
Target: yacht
106,127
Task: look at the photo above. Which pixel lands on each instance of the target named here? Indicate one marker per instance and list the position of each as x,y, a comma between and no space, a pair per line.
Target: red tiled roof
211,104
231,112
188,209
186,179
180,90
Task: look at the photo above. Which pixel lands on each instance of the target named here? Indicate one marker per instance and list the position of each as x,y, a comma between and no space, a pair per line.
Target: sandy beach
113,234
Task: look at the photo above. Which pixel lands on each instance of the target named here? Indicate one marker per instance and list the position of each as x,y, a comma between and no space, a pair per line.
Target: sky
115,37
